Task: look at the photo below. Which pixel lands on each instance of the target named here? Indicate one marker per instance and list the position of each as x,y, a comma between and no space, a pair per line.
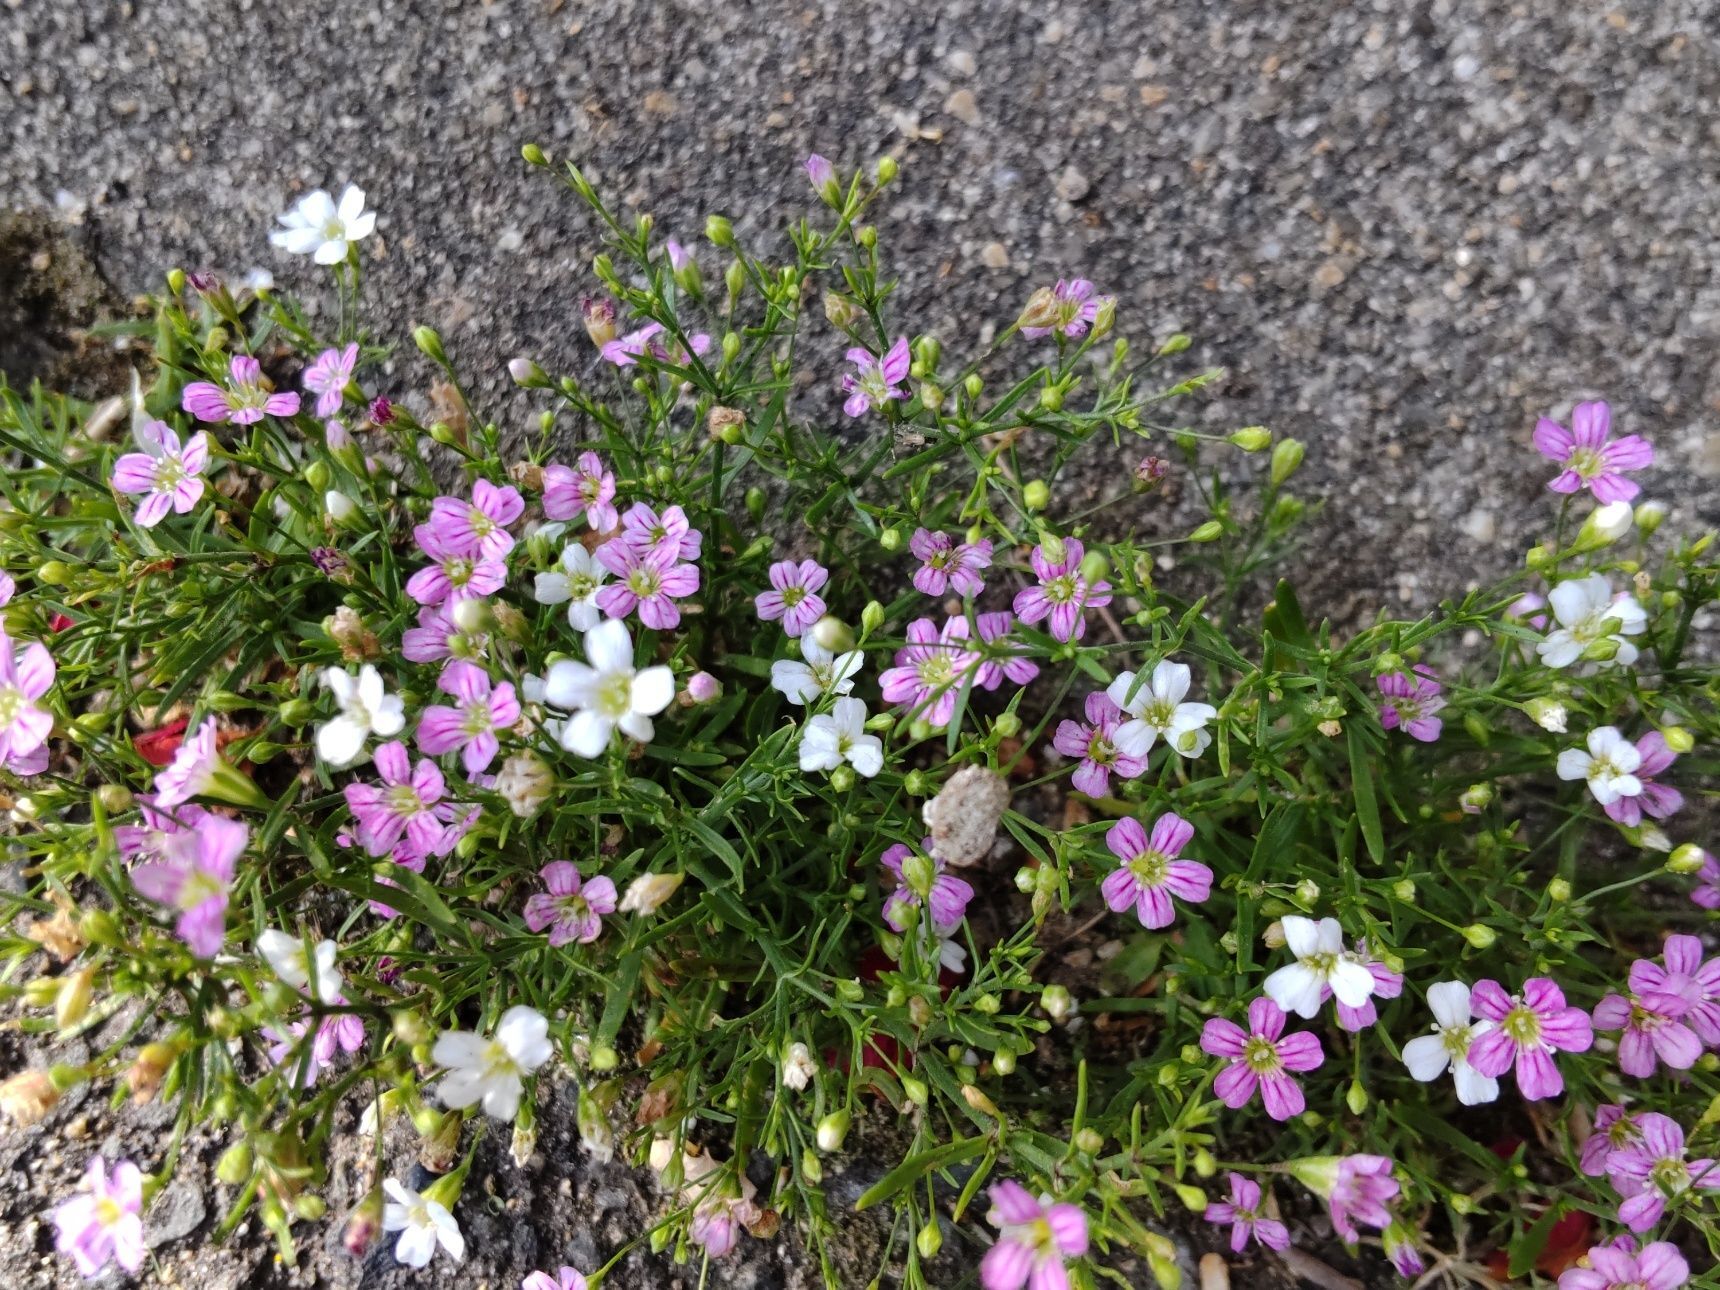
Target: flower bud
1036,495
886,173
1688,858
1192,1197
527,374
234,1166
364,1224
931,1237
1603,650
1211,531
832,1130
1480,935
1003,1062
1286,457
891,539
1088,1140
148,1069
1307,892
975,1097
28,1097
338,507
1605,524
430,344
915,1090
1251,438
842,778
1007,725
1057,1002
1476,798
719,231
1095,566
1547,713
1678,739
647,893
1404,890
1558,891
1043,309
1356,1097
72,1001
1649,517
833,634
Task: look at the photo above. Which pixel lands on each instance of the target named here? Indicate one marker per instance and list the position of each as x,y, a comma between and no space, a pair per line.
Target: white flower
1321,961
286,956
647,893
1428,1056
259,280
840,736
1610,522
422,1224
317,227
1158,711
489,1070
1609,765
574,584
816,672
798,1068
607,692
1587,612
365,710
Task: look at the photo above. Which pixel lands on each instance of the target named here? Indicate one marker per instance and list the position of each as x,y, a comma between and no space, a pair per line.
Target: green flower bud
1356,1098
1205,1166
1686,859
1649,517
297,713
1558,891
719,231
310,1208
1175,345
1286,457
871,617
430,344
1095,566
832,1130
891,539
915,1090
1480,935
886,173
175,281
1192,1197
533,155
234,1167
1404,890
867,236
1211,531
755,500
603,1058
1251,438
1051,398
731,346
842,778
1036,495
973,385
834,634
914,783
1008,725
1089,1141
1678,739
55,573
1003,1062
114,798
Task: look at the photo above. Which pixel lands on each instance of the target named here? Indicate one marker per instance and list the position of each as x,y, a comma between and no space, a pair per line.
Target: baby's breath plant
746,725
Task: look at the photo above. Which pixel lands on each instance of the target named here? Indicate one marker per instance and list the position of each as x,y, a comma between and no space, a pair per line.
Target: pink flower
412,863
1362,1186
1003,659
591,489
1652,1171
1659,1266
1530,1028
573,910
403,805
1093,744
455,575
24,725
1706,892
650,581
337,1032
289,1051
245,399
921,880
1243,1213
1260,1057
193,768
644,530
635,345
930,670
823,178
945,563
1074,307
1652,1031
1658,800
1035,1239
1687,977
193,876
169,477
1614,1130
478,529
1149,873
876,381
794,595
472,725
566,1279
1589,461
1410,702
327,378
1062,593
437,637
102,1221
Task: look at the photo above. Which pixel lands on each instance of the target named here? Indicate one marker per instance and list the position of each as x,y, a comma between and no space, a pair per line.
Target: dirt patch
50,293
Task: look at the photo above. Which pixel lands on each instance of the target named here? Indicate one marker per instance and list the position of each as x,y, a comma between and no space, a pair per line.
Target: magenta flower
472,725
591,488
478,529
193,876
1070,309
102,1221
438,637
244,400
1149,874
1093,744
946,563
25,676
1651,1030
337,1032
150,839
1530,1028
402,806
1243,1212
1588,460
876,381
1706,892
650,581
167,476
327,378
1659,1266
1004,657
572,910
1410,702
1689,977
930,669
1035,1239
635,345
1652,1171
644,530
1656,799
1261,1057
455,575
1614,1130
1062,594
794,595
921,880
1360,1189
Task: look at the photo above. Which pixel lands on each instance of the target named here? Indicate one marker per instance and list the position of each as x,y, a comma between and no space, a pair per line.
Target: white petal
1134,738
849,716
1560,649
866,755
351,204
1449,1003
1575,599
361,227
609,648
330,252
502,1099
389,716
1426,1057
552,588
1296,989
795,680
1118,693
570,685
1301,935
415,1246
448,1231
341,741
636,725
586,734
341,684
1474,1088
653,690
818,746
1574,763
1351,982
1170,682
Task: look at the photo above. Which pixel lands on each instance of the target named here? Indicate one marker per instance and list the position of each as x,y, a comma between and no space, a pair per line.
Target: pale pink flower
455,575
103,1220
482,711
793,596
1074,305
1410,702
1035,1240
25,676
1655,799
1530,1028
327,378
1149,873
1588,459
1652,1171
1614,1130
1004,657
572,908
244,399
1706,892
401,807
645,530
192,877
876,382
635,345
590,488
193,769
438,637
921,880
930,670
1062,595
566,1279
1658,1266
1690,977
476,529
1261,1057
1362,1186
649,581
822,176
946,563
1246,1216
167,476
1094,744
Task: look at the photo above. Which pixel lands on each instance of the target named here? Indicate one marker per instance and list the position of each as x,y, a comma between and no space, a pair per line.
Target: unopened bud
1547,713
719,231
429,343
1356,1097
1678,739
1251,438
1211,531
931,1237
1688,858
72,1001
1286,457
1480,935
832,1129
1057,1002
1192,1197
1036,495
1476,798
1649,517
527,374
28,1096
1558,891
833,634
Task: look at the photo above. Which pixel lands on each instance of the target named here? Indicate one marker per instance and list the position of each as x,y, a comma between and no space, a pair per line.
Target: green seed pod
234,1167
755,500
